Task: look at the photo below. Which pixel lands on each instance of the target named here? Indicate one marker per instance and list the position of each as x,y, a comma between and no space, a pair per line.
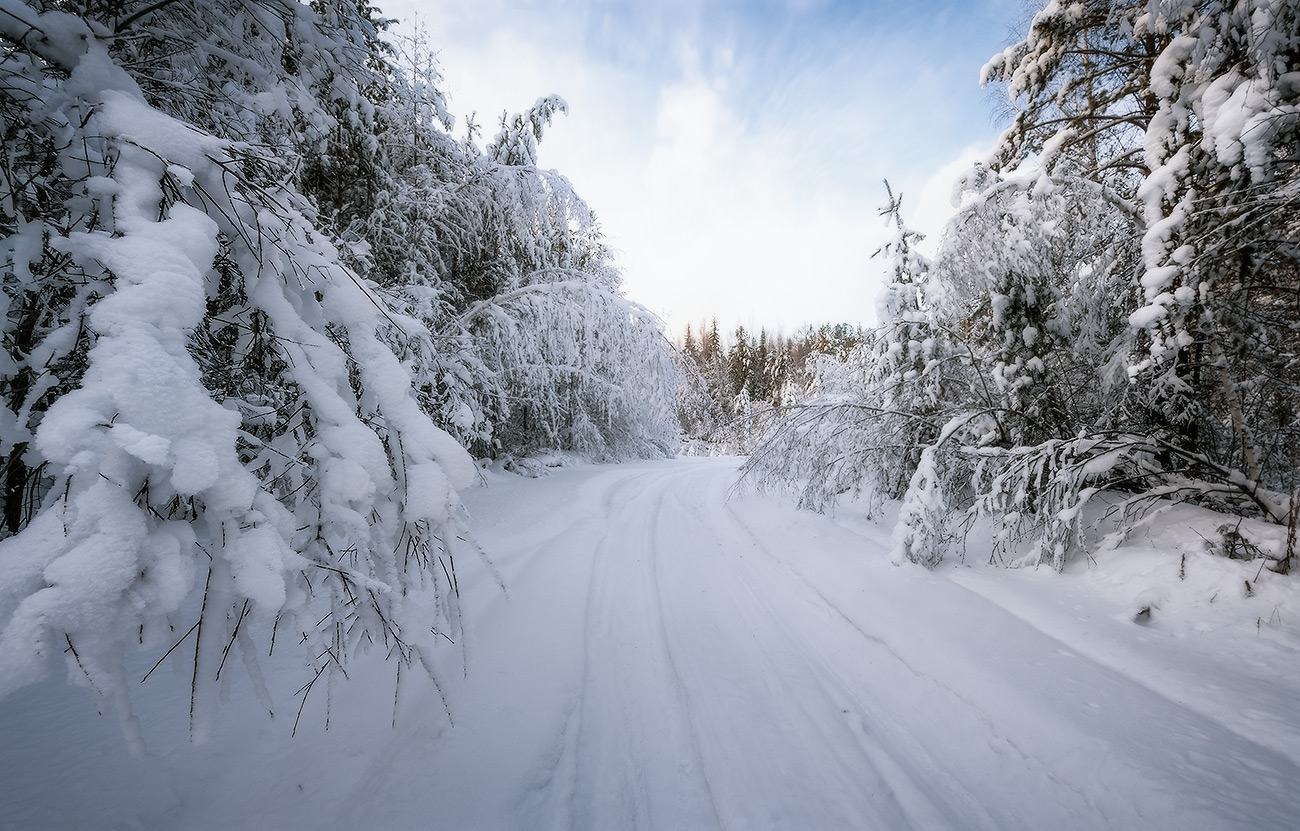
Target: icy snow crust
670,659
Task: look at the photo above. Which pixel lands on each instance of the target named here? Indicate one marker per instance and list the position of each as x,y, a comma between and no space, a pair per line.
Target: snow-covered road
670,659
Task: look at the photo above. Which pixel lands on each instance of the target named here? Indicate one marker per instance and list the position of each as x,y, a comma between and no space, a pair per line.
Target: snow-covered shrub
823,444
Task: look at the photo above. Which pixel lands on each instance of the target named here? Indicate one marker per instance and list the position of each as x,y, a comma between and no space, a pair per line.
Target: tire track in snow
507,764
794,701
933,791
679,680
553,796
1198,756
633,760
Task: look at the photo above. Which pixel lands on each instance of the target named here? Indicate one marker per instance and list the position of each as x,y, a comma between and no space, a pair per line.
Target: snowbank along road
669,658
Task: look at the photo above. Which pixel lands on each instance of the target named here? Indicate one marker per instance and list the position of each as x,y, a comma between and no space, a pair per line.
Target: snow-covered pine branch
287,482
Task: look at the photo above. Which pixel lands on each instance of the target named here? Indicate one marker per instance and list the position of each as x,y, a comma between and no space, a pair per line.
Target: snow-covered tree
1115,297
1183,116
296,478
1218,350
569,363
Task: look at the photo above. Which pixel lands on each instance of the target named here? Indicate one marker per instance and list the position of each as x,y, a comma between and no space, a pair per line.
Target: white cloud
726,227
737,170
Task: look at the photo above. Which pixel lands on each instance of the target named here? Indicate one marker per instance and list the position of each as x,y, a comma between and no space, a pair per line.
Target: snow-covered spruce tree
749,412
740,363
284,481
699,415
713,364
780,381
873,417
1185,116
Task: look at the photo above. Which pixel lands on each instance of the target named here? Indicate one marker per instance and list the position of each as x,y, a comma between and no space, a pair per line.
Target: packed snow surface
667,657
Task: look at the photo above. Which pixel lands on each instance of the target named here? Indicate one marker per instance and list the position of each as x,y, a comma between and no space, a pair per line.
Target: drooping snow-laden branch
289,482
575,366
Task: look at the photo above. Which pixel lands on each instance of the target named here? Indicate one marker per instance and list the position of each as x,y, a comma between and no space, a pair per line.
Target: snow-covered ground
668,658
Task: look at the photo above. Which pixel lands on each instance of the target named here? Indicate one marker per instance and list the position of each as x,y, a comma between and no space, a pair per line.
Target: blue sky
734,151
